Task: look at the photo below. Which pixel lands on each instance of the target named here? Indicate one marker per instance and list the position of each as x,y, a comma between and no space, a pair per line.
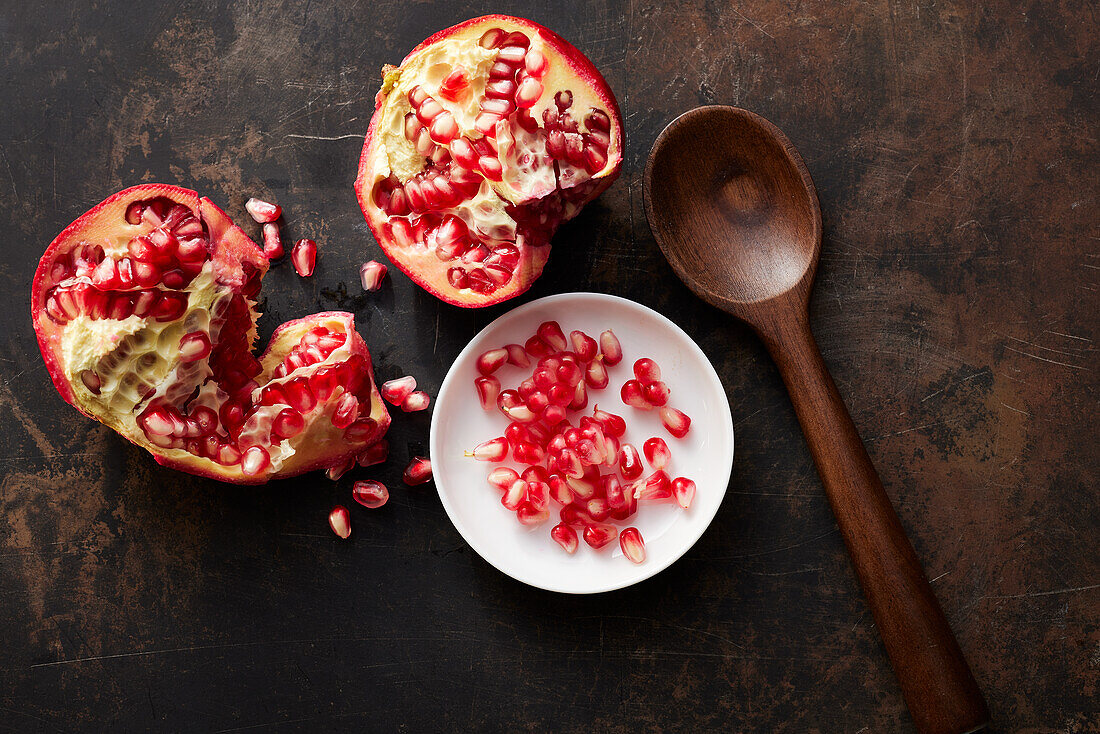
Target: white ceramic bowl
705,455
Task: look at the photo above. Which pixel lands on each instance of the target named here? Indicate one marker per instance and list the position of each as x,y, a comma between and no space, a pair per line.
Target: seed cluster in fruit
574,459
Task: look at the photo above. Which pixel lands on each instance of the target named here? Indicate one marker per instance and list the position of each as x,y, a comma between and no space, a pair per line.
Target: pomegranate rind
422,266
234,261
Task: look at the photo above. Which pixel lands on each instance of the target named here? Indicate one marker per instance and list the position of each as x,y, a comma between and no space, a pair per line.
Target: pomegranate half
145,313
489,135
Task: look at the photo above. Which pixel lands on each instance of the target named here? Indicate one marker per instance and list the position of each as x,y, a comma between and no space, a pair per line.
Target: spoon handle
938,686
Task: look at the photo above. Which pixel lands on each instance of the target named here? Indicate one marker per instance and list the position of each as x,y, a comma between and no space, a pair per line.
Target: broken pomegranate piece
488,136
145,312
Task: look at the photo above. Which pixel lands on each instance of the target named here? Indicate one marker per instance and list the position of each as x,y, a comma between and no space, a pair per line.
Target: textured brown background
955,151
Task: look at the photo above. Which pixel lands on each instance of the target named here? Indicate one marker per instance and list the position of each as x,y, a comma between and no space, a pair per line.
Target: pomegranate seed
553,414
346,411
569,373
273,243
630,540
613,490
536,64
374,454
610,348
370,494
416,401
646,370
495,449
503,477
654,487
304,257
517,355
336,471
515,494
193,346
559,489
254,461
371,274
684,491
528,514
599,534
580,397
340,521
536,347
630,462
677,422
584,346
529,453
490,361
528,93
261,211
633,394
418,471
656,393
596,375
656,452
288,423
488,390
535,474
566,537
550,332
510,403
612,424
394,392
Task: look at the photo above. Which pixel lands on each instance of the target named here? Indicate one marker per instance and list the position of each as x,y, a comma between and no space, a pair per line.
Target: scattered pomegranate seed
340,521
599,534
492,360
495,449
515,494
684,491
416,401
261,211
528,514
536,347
646,370
656,452
488,390
503,477
584,346
336,471
612,424
610,348
418,471
374,454
517,355
654,487
394,392
370,493
550,332
676,422
630,540
371,274
273,243
304,257
566,537
633,394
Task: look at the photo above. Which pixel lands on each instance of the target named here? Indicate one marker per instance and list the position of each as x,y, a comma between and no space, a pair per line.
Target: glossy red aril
371,274
415,401
395,391
495,449
503,477
599,534
517,355
630,462
304,257
418,471
375,454
675,421
144,309
646,370
655,487
683,490
486,137
630,540
633,394
340,521
273,242
488,390
492,360
370,494
656,452
610,348
262,211
566,537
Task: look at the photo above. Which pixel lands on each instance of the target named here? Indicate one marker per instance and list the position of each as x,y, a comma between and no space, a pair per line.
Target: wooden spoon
735,212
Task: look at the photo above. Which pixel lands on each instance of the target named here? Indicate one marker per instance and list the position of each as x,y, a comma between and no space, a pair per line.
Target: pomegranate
489,135
144,309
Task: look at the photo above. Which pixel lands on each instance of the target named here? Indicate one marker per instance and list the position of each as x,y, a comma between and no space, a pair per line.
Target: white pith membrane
483,143
180,379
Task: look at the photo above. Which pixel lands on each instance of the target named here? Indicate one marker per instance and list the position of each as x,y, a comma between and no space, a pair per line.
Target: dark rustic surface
955,152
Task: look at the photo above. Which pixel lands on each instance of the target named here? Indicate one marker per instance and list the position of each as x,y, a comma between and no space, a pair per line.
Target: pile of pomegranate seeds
571,457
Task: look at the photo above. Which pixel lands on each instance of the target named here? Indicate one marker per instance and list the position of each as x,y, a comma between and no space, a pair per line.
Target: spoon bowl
733,208
733,195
